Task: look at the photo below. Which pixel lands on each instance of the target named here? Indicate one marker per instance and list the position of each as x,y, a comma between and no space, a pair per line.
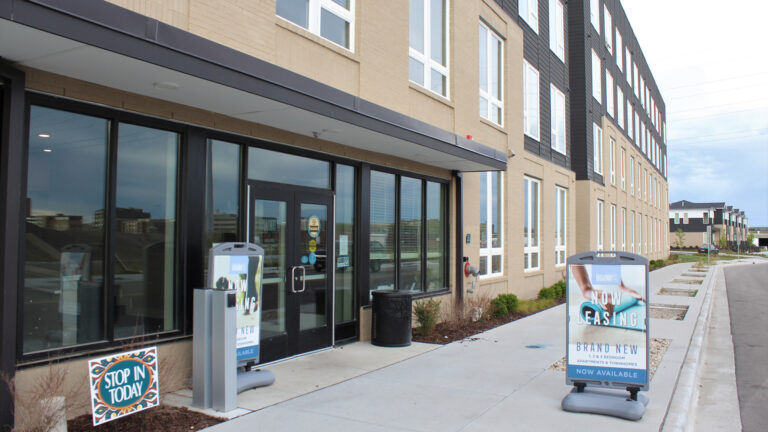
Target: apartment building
618,127
137,134
726,224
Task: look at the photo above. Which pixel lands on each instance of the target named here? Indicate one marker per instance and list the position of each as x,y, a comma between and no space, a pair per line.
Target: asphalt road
748,301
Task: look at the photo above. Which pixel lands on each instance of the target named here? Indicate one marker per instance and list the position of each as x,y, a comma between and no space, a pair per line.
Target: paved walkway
493,381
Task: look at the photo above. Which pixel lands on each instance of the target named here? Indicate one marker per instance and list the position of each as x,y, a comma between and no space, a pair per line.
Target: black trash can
391,318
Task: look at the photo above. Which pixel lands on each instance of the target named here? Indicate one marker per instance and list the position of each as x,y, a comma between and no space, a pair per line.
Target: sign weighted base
253,379
606,402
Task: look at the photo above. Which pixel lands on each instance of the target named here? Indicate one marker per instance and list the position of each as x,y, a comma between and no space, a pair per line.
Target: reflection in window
331,19
382,237
145,230
410,234
272,166
269,232
222,177
428,65
345,244
436,241
531,248
64,239
491,217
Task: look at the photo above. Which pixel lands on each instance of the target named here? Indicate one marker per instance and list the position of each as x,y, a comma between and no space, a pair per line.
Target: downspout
459,237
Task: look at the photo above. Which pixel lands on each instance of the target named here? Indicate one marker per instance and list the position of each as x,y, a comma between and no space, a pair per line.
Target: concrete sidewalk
498,379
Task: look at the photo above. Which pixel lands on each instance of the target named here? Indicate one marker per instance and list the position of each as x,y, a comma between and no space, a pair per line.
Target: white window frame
561,225
631,175
630,129
557,106
612,162
632,231
492,102
613,227
628,71
623,169
600,224
531,107
609,87
597,148
557,28
647,218
608,29
594,14
623,229
639,233
597,77
529,250
619,106
315,8
425,58
490,251
619,51
529,11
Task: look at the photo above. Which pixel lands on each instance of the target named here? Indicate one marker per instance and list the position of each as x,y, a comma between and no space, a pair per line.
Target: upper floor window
609,105
428,52
491,223
529,10
619,106
530,100
594,13
330,19
612,162
597,74
619,51
628,71
531,223
631,175
600,224
597,148
557,99
557,28
491,72
622,168
630,129
608,29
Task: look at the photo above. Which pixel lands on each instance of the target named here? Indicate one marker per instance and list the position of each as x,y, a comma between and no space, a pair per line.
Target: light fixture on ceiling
47,150
44,135
165,85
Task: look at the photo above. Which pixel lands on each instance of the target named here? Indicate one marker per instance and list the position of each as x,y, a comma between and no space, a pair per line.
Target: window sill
306,34
533,272
496,126
425,91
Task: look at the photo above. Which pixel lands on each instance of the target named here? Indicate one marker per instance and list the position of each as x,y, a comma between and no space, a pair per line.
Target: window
345,292
558,119
72,217
529,11
622,168
491,73
557,28
428,52
612,162
597,74
600,225
530,101
630,129
331,19
531,228
628,70
491,223
632,175
632,231
639,233
638,125
594,14
597,148
405,215
619,107
619,51
613,227
623,229
561,205
222,194
647,185
639,183
608,29
647,233
685,218
609,106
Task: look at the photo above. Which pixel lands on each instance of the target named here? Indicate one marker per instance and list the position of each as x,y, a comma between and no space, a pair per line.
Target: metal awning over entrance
104,44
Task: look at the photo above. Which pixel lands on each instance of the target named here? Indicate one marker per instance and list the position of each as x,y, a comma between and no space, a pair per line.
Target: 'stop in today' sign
123,384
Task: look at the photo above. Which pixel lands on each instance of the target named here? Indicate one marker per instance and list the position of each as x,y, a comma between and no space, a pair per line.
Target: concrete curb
682,399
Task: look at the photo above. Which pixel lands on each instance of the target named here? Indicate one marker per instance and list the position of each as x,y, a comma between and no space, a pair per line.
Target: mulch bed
451,331
163,418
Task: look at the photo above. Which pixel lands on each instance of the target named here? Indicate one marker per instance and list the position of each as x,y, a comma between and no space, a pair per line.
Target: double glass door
294,227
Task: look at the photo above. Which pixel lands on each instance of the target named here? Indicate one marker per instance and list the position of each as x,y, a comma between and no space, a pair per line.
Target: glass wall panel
269,231
410,234
382,237
345,244
64,240
145,234
222,194
272,166
436,239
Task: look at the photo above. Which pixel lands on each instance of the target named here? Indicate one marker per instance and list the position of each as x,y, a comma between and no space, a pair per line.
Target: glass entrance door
294,228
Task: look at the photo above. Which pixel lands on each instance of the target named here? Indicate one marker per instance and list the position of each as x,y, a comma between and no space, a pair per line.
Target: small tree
680,238
750,240
722,242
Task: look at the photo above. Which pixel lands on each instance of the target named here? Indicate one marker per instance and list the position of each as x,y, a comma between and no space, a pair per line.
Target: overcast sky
710,61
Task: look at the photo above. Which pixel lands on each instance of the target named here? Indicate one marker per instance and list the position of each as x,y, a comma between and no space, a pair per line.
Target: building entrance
294,226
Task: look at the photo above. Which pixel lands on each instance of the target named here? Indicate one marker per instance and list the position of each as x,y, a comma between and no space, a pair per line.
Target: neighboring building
761,237
140,133
725,224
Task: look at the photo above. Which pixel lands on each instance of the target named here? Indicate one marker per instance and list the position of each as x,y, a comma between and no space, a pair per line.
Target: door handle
294,278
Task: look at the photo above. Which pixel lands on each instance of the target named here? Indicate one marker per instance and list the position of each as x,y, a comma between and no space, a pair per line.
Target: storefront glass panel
410,234
145,234
222,194
382,237
64,239
345,244
276,167
436,239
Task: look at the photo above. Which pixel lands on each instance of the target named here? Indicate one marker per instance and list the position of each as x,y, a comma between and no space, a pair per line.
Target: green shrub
559,287
427,312
556,291
547,293
503,305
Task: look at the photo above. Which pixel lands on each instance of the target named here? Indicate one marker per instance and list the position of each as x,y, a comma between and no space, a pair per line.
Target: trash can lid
391,293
